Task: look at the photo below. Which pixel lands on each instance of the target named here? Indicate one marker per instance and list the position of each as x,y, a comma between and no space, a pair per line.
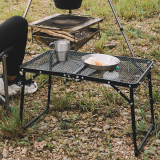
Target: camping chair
3,56
5,100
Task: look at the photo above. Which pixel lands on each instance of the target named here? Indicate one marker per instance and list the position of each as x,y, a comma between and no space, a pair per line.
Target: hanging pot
68,4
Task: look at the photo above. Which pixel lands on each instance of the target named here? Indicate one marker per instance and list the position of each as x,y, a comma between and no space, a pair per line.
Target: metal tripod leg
25,13
121,28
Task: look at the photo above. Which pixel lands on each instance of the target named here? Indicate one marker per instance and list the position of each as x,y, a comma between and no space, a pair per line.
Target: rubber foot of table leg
136,153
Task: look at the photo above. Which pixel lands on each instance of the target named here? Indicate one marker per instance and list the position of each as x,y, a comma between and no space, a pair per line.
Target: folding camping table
132,72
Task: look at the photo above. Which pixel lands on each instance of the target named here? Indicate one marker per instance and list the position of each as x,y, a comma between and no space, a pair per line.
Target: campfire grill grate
65,21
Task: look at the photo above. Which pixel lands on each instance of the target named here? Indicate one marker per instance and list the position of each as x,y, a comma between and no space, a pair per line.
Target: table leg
152,115
133,121
22,97
150,96
49,90
22,101
131,101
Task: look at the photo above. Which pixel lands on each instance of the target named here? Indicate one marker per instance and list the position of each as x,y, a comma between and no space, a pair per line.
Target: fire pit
75,28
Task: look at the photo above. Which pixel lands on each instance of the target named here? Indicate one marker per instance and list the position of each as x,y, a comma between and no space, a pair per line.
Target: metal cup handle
52,44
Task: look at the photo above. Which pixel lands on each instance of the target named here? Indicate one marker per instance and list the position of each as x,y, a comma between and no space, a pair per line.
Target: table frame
114,84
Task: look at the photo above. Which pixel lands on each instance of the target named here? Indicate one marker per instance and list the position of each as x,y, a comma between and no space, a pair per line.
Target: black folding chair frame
3,56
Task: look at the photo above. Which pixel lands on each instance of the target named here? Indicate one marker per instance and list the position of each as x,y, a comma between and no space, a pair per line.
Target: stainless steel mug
62,48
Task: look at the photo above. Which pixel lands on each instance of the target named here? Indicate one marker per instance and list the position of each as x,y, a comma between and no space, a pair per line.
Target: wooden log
61,34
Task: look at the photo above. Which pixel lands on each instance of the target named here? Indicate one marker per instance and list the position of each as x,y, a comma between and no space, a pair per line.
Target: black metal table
132,72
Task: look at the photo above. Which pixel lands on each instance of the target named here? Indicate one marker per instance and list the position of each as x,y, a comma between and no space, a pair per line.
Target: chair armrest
5,52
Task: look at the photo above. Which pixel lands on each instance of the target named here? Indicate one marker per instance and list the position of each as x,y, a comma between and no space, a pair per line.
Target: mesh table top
131,70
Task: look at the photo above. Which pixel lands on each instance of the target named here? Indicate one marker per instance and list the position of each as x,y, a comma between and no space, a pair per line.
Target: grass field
68,129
